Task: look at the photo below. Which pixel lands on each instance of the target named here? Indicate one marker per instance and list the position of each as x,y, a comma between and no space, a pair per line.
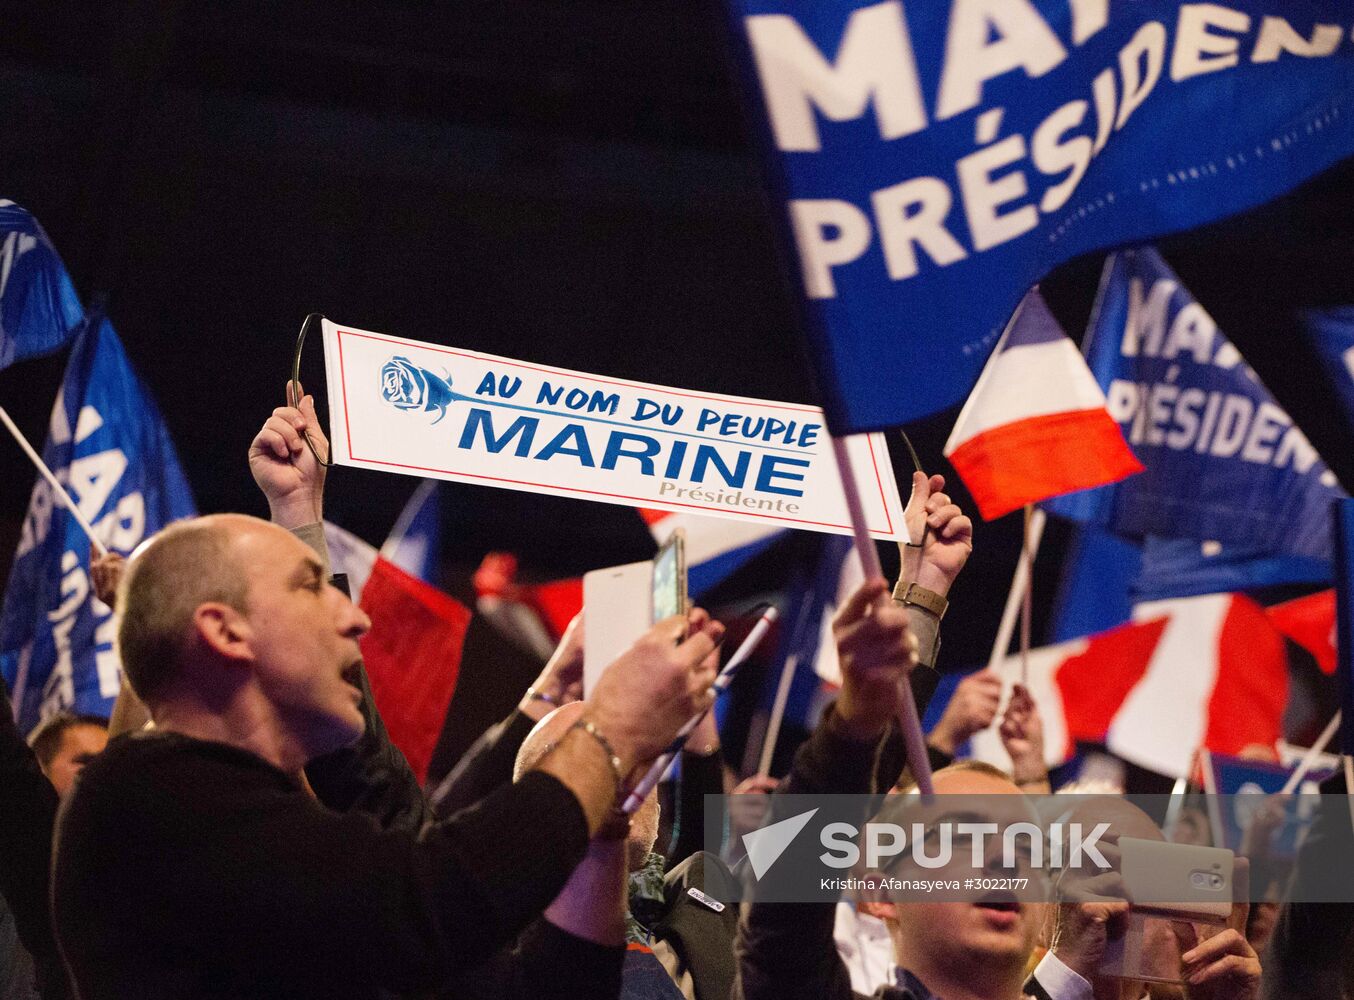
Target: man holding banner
189,860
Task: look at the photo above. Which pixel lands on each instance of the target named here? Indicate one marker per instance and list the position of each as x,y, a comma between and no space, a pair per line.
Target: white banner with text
405,406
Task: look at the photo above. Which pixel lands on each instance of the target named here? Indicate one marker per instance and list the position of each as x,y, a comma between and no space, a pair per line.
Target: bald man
190,861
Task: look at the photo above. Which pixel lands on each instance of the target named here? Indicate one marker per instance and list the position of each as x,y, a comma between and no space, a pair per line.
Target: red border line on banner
644,501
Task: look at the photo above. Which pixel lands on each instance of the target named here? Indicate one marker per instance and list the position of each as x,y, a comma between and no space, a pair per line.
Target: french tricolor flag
1198,672
1035,425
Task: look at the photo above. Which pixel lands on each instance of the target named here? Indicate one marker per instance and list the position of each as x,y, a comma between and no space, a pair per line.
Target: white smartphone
1169,884
618,609
1183,880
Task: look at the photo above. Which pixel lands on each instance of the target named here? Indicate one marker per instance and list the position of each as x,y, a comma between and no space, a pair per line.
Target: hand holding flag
877,650
284,467
1022,734
944,532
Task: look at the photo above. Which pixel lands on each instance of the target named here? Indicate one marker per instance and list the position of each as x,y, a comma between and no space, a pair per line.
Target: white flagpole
787,676
57,488
1026,613
1019,583
908,720
1309,758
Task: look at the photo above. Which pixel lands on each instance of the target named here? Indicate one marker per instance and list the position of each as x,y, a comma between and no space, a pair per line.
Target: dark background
564,181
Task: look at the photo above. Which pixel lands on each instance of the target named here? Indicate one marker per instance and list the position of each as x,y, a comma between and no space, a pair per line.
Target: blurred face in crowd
302,637
996,931
79,743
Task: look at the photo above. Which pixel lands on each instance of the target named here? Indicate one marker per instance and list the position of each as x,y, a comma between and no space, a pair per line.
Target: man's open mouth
1002,900
352,673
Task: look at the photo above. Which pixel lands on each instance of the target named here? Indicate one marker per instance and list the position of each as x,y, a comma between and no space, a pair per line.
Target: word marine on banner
404,406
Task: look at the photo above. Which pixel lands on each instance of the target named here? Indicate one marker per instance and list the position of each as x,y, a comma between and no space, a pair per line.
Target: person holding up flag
190,860
787,950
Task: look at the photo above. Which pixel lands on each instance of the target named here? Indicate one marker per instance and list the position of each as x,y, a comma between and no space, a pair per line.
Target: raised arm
371,776
786,949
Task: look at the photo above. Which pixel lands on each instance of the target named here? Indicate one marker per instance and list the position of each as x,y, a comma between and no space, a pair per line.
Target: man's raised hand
1022,734
283,466
972,709
948,531
876,650
656,686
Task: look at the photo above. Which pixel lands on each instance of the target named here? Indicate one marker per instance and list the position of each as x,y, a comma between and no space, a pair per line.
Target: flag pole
787,676
908,720
1309,758
1019,583
1025,604
57,488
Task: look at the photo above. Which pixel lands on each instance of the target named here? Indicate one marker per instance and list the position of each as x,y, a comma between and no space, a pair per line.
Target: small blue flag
414,544
39,310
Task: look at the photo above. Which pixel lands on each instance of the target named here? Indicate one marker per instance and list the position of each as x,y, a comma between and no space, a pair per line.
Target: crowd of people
244,827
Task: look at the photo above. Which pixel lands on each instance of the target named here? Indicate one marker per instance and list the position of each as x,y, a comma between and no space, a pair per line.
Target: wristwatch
928,600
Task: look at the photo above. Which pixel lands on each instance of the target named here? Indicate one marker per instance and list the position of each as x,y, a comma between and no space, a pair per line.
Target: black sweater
186,868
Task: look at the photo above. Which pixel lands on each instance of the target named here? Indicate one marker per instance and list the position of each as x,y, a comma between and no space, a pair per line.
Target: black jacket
186,868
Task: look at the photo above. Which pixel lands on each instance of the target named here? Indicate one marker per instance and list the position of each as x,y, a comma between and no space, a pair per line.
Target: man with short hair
786,949
64,743
190,861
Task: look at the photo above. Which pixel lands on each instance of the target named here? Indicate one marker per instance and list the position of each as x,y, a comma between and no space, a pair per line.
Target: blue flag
1184,567
934,160
39,310
414,544
109,447
1095,591
1224,462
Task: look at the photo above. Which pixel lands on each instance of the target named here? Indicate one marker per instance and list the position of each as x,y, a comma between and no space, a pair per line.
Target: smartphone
669,578
1180,879
1168,883
617,599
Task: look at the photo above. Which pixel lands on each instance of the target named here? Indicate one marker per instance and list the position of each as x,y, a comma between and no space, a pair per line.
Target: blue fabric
1184,567
703,577
899,337
109,446
415,542
1094,590
912,987
1223,461
1332,334
39,310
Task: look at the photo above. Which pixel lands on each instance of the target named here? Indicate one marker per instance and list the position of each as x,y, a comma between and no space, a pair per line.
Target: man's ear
876,901
224,630
878,908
